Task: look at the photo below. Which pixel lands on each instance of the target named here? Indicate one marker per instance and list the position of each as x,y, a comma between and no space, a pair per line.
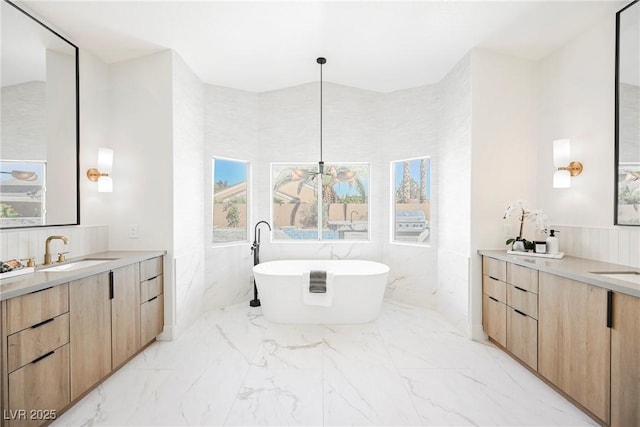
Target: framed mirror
39,144
627,133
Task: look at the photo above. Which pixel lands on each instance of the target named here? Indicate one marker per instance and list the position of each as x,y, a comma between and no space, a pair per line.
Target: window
230,194
411,192
22,193
340,209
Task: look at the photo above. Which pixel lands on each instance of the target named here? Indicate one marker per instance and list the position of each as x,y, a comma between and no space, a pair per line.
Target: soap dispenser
552,243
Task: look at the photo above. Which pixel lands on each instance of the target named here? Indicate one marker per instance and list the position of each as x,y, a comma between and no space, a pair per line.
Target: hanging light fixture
321,61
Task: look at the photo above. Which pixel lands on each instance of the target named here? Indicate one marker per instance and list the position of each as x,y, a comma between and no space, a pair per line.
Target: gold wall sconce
101,173
566,168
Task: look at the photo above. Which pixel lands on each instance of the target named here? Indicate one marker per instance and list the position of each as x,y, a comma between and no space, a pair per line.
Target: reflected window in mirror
22,193
627,136
39,120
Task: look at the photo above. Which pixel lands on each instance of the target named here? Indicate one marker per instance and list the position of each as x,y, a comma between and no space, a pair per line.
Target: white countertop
579,269
20,285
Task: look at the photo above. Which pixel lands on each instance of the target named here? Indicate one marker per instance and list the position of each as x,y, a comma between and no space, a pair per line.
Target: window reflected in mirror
230,200
22,193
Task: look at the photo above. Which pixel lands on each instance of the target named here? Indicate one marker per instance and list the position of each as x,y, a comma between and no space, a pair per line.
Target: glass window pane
345,200
411,190
294,201
22,193
230,194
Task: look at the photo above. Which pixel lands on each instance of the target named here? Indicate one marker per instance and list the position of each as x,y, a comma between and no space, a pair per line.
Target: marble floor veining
409,367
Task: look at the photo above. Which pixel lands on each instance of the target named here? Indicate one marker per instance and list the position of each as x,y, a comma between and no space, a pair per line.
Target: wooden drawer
494,268
522,337
524,301
151,319
150,288
41,385
494,320
494,288
522,277
31,343
150,268
28,310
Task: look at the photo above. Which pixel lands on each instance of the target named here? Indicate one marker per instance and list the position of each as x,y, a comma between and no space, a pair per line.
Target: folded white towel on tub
320,299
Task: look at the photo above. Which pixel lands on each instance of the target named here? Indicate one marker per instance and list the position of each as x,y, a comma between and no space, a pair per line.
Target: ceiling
265,45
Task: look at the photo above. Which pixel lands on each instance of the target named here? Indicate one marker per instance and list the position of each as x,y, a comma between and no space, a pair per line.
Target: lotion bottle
552,243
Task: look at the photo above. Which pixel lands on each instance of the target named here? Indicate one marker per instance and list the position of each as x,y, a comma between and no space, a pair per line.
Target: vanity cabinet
60,342
125,314
151,299
510,308
575,342
35,356
625,364
90,306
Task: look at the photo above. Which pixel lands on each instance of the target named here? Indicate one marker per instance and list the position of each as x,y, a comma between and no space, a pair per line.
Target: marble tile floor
409,367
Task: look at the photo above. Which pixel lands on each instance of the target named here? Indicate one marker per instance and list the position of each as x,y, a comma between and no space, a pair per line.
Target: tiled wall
619,245
30,243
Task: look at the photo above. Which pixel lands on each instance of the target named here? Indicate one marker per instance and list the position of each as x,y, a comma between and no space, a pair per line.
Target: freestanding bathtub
357,289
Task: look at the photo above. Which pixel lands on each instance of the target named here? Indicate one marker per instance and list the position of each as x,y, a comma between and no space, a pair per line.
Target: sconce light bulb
105,159
562,179
561,152
105,184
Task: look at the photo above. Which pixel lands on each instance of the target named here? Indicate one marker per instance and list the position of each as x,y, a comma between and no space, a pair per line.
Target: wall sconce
562,158
101,173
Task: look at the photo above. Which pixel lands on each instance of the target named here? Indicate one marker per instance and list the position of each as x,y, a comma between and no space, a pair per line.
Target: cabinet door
152,318
90,332
625,363
40,388
574,341
125,314
494,319
522,337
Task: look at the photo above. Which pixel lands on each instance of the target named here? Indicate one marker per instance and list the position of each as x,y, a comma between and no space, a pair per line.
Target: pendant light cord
321,61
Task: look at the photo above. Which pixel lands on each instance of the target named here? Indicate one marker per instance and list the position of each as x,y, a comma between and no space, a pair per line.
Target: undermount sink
629,276
77,265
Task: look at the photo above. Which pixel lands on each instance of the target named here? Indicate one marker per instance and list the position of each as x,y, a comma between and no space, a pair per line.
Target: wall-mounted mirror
39,140
627,157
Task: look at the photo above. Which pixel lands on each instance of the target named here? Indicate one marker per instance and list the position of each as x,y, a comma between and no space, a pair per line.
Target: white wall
141,134
188,193
230,130
454,155
503,158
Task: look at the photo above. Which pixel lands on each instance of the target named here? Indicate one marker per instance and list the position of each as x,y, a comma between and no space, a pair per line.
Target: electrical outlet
133,231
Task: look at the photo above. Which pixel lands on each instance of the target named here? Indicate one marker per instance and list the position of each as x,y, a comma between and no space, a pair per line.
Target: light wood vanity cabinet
125,314
510,308
152,299
90,306
625,361
60,342
35,358
575,342
583,339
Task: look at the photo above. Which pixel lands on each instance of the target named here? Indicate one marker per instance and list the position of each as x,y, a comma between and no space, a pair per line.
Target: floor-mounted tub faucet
255,249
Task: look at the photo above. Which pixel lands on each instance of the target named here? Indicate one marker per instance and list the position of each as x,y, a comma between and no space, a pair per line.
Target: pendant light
321,61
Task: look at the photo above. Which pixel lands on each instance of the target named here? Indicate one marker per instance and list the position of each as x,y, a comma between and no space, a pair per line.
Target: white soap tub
358,291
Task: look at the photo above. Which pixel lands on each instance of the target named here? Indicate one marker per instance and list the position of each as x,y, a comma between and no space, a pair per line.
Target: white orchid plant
520,210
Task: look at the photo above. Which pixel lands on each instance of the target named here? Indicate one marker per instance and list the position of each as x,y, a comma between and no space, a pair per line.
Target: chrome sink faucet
47,252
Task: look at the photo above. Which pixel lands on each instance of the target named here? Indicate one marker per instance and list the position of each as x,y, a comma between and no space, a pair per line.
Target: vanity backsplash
620,245
83,240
